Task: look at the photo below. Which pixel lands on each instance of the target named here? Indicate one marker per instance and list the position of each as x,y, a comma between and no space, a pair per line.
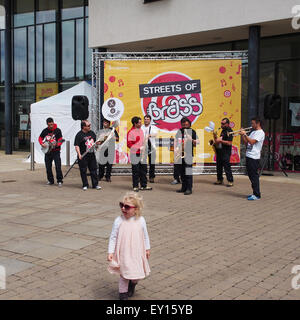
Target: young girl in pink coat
129,246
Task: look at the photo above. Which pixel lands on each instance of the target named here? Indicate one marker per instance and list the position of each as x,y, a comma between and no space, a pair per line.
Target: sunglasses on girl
125,206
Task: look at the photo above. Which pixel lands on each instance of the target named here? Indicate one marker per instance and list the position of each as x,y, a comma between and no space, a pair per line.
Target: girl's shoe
131,288
123,296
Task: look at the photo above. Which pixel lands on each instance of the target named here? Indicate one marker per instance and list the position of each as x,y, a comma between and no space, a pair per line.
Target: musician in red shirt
135,142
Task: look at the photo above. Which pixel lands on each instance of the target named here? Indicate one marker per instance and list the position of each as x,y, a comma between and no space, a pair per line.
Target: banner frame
99,58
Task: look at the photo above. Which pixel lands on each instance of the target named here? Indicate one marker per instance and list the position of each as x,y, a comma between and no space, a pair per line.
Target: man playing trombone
223,146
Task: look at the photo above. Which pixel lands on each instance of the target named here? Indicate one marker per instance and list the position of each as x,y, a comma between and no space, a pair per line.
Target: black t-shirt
85,140
188,145
226,137
48,135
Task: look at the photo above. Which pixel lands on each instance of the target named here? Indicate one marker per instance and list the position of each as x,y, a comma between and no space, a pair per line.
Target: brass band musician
223,146
185,139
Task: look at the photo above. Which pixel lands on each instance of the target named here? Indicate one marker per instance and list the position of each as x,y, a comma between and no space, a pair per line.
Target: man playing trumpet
223,152
254,143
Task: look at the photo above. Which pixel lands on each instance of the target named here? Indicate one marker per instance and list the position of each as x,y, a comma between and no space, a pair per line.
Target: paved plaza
213,244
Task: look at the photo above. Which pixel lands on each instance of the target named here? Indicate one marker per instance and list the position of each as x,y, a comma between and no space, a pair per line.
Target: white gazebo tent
58,107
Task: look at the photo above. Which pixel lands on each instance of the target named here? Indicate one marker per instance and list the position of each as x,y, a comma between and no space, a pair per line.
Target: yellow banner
46,90
205,91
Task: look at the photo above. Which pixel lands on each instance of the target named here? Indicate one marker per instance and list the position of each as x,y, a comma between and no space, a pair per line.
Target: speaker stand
264,164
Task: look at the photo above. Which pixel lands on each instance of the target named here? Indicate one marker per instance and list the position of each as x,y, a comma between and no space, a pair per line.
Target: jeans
252,166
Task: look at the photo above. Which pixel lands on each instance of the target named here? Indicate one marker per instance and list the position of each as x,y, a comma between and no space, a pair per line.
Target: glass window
23,98
50,52
79,49
88,52
280,48
68,50
31,54
23,12
67,85
46,10
72,9
2,118
2,49
20,56
289,90
39,53
266,84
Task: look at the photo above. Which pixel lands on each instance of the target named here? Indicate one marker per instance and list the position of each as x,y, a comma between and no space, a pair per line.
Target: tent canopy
58,107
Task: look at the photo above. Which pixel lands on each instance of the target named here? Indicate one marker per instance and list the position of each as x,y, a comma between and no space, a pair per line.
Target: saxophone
212,142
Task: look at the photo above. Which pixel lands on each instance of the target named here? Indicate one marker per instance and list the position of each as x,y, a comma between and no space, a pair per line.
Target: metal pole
8,79
68,153
101,88
253,71
32,156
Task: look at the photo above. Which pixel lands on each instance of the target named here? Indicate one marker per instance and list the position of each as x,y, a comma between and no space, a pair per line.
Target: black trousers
139,172
108,166
186,175
252,166
151,159
177,171
49,157
223,161
88,161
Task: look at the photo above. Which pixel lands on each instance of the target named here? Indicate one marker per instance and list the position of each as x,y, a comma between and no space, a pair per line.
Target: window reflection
20,56
50,52
23,12
2,49
72,9
88,52
39,53
68,50
79,49
46,10
31,54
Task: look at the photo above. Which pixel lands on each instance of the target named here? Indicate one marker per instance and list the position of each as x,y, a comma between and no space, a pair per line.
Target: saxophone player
223,152
185,139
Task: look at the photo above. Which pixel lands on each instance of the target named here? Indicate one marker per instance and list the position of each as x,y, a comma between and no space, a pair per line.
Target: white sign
112,109
23,121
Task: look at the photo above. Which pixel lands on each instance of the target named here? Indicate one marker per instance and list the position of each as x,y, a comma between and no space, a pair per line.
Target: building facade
49,54
52,41
198,25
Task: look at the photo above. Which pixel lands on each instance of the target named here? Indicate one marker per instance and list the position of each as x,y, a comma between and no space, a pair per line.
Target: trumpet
237,132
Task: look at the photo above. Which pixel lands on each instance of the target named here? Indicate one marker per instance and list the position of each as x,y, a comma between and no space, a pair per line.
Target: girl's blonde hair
136,200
